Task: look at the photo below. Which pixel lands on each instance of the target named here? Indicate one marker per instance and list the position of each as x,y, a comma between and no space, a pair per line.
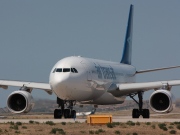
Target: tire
57,114
73,114
135,113
67,113
146,113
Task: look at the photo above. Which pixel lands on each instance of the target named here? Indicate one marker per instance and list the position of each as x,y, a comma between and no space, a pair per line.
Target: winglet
126,58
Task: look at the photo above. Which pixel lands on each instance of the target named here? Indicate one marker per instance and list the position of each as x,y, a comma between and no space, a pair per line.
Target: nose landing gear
67,112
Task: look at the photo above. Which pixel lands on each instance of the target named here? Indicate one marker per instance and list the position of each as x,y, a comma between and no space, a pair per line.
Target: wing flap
43,86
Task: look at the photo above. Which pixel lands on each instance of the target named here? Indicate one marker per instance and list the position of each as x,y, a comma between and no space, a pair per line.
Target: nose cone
58,81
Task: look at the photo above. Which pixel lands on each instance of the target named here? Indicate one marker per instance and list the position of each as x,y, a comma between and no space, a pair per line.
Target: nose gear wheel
67,112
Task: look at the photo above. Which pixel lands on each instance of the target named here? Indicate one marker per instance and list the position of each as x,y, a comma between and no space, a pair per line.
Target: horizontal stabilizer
155,69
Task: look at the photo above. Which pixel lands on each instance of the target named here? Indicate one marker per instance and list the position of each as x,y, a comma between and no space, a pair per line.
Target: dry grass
27,116
77,128
83,129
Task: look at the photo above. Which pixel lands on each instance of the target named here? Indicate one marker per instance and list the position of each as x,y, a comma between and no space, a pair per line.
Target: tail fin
126,57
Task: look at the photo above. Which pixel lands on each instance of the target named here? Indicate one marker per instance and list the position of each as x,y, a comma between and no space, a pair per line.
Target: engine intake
162,101
20,102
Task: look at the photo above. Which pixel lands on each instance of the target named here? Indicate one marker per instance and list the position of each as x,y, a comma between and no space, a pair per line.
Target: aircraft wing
130,88
32,85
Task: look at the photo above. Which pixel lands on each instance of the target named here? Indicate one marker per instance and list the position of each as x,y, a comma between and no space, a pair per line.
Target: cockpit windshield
59,70
66,69
74,70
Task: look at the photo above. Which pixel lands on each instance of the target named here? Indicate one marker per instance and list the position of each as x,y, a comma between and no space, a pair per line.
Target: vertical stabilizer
126,57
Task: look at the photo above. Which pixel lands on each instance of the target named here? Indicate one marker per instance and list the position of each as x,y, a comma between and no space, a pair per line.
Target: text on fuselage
106,72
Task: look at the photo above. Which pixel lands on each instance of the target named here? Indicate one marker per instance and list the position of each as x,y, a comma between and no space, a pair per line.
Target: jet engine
20,102
162,101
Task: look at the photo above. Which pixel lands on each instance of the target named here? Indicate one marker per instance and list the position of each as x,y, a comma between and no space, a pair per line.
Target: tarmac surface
83,120
114,119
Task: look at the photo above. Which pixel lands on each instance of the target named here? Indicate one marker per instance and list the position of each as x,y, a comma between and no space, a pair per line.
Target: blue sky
34,35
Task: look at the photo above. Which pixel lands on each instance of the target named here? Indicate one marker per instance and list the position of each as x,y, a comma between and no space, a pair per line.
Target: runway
171,117
115,119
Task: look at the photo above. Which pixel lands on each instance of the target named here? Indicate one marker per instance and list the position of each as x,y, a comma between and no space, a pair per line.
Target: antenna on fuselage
127,52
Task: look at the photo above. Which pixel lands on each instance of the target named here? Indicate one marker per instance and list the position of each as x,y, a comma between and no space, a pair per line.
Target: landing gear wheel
145,113
135,113
67,113
58,114
73,114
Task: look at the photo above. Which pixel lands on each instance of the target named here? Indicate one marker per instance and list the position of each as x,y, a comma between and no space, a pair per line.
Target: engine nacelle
162,101
20,102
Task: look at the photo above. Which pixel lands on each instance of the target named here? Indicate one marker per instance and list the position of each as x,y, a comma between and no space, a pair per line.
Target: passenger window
75,70
66,69
59,70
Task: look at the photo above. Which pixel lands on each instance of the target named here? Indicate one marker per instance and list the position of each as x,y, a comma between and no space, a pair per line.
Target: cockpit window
75,70
59,70
54,70
66,69
72,70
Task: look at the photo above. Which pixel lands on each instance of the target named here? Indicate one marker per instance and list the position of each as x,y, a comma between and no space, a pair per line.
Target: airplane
86,113
77,79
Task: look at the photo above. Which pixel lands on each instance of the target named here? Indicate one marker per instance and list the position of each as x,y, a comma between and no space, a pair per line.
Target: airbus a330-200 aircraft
98,82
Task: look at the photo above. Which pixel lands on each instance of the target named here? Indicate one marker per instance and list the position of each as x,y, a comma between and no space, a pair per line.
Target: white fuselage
87,80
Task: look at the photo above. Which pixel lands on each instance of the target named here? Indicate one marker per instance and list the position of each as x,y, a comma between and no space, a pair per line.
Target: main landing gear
67,112
137,112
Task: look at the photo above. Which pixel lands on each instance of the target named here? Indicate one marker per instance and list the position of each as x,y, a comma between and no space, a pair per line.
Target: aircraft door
89,76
